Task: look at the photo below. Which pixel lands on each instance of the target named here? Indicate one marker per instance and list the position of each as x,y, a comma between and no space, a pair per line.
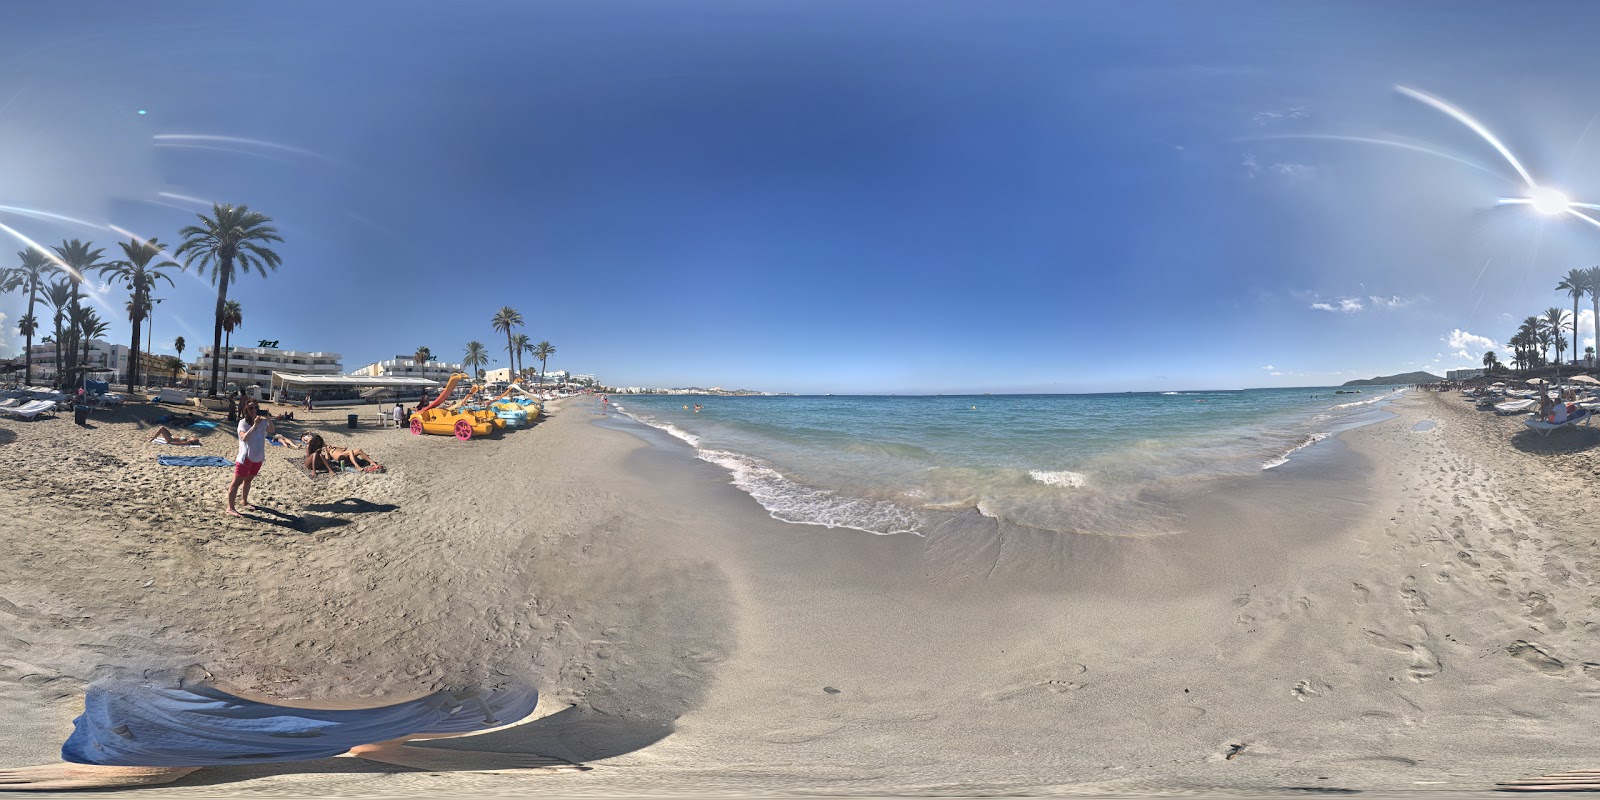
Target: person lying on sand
353,457
317,455
164,436
137,734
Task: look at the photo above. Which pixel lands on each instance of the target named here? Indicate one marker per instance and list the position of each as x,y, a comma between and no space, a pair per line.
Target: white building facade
1463,374
253,366
102,355
402,367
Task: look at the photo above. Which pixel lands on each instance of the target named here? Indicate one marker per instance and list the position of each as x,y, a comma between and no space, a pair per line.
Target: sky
827,196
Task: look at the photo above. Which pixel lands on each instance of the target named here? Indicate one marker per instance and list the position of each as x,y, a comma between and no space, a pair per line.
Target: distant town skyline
1009,197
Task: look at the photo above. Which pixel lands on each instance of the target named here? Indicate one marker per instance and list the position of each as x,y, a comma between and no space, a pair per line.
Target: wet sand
1395,610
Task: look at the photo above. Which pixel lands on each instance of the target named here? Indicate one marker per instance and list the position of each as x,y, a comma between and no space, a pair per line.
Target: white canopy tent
309,382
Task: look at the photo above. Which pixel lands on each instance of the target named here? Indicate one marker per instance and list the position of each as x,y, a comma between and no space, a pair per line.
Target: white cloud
1294,171
1391,302
1465,343
1269,366
1347,305
5,341
1273,116
1275,373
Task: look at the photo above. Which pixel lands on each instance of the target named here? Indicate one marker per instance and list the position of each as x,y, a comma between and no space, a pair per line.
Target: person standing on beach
253,430
399,415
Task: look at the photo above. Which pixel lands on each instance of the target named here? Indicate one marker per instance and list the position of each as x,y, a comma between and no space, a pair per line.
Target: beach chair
10,403
1543,427
31,410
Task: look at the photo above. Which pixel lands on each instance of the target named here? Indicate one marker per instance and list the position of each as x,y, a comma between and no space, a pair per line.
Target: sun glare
1549,202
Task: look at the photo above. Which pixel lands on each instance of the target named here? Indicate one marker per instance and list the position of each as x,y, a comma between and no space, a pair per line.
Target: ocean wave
1061,478
691,439
1369,401
788,501
1305,442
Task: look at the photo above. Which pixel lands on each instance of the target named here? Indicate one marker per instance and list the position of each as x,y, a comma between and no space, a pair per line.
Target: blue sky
830,197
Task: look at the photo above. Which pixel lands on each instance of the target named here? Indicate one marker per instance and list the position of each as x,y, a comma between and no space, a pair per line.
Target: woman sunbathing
353,457
164,436
317,455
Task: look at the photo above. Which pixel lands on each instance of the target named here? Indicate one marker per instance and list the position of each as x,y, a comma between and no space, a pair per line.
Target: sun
1548,201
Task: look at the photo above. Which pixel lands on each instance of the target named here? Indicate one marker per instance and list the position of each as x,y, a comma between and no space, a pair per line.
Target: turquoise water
1079,463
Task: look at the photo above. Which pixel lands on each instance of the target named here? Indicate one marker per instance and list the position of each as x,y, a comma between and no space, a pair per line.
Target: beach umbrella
1537,381
1584,379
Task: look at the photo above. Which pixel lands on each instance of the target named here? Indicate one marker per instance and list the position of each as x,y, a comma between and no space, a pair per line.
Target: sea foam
1062,478
1305,442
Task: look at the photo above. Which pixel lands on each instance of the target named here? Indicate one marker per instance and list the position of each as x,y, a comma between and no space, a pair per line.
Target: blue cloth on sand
203,423
193,461
137,725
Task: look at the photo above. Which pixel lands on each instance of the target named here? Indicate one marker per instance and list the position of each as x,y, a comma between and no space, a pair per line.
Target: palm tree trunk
133,355
27,369
72,351
511,352
1595,296
224,270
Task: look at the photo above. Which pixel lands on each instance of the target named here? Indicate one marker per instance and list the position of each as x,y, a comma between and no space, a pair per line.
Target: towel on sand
204,424
137,725
193,461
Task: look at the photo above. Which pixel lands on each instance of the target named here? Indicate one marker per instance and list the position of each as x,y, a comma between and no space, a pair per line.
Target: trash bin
353,420
80,414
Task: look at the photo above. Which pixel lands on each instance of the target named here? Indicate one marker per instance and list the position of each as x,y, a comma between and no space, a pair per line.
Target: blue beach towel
204,424
193,461
129,724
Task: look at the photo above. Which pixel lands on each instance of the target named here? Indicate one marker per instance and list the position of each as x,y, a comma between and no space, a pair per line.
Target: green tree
140,276
28,276
178,344
422,356
88,326
1555,321
543,351
1591,280
504,321
1576,285
521,344
232,318
476,356
228,244
77,258
59,297
1491,362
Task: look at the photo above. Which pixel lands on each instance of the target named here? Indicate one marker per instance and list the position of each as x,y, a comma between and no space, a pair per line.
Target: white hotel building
102,354
254,365
403,367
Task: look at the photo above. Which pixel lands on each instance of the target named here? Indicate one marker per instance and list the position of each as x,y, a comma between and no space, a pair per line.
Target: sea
1085,463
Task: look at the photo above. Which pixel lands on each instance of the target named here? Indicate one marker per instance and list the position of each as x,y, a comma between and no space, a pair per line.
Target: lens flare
1477,127
1548,201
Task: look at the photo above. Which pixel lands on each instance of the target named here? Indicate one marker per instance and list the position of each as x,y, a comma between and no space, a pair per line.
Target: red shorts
247,468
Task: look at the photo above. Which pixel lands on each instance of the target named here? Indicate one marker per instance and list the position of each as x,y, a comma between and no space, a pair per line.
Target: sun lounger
31,410
1543,428
11,403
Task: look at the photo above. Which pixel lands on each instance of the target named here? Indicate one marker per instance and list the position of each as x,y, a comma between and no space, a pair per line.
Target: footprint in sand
1310,687
1424,664
1362,593
1060,684
1537,657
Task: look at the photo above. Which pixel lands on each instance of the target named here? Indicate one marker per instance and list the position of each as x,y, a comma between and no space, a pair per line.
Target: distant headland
1405,377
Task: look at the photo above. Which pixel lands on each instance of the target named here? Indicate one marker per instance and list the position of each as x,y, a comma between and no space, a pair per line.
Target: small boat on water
1347,391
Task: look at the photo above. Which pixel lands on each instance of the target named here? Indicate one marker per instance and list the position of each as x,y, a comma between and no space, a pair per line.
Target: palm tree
521,344
232,317
1588,353
1555,321
1576,285
178,344
140,276
503,321
30,278
477,355
233,239
422,356
78,258
59,295
88,326
543,351
1591,281
1490,361
1534,328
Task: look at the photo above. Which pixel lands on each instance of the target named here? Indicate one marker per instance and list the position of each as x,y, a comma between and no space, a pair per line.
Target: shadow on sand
353,505
1564,440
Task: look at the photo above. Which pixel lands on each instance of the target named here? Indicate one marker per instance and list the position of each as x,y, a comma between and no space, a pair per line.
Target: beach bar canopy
308,382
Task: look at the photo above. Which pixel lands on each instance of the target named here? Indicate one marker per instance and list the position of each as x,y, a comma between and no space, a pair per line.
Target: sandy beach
1403,608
